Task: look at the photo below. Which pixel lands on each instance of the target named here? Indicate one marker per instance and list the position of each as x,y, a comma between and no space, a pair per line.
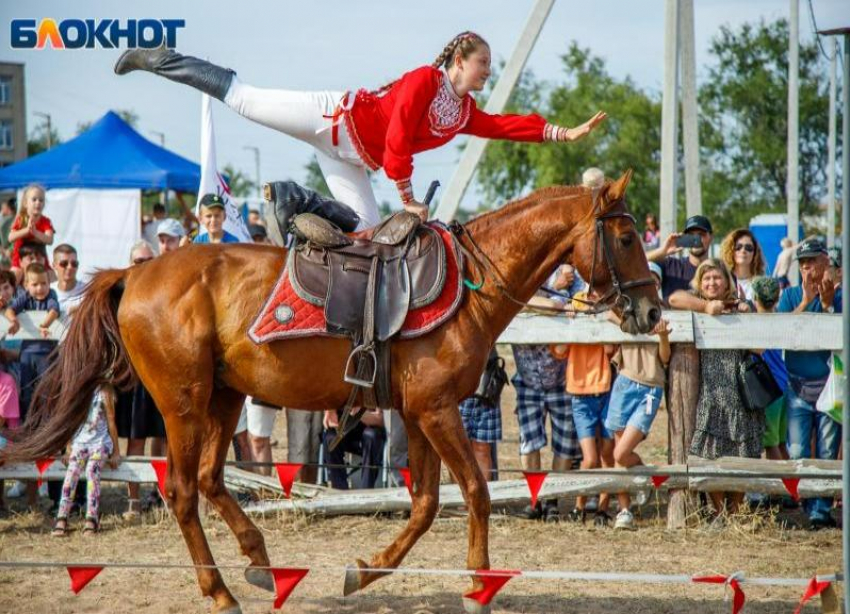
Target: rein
615,296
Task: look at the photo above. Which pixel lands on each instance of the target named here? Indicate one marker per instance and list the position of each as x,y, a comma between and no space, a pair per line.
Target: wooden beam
669,119
690,110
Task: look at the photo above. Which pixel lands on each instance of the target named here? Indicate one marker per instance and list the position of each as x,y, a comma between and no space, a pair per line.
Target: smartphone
689,241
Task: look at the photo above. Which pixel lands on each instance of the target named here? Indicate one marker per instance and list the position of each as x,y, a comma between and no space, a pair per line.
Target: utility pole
690,112
256,151
47,118
830,148
669,119
792,188
845,317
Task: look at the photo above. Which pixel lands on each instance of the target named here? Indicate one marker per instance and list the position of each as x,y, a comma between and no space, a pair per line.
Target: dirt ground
754,544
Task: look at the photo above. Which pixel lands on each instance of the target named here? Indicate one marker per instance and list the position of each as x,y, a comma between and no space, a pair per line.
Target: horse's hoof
470,606
352,578
260,577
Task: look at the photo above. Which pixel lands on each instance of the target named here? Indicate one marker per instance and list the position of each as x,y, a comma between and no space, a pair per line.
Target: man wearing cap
212,218
677,273
808,371
168,233
259,234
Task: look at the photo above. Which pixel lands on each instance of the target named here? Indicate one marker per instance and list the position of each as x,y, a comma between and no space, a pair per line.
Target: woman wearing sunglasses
742,254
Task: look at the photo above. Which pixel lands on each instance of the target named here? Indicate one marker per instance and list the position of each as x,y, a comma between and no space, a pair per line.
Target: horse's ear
618,188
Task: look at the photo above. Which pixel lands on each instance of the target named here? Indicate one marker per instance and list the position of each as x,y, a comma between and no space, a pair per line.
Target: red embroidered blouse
420,112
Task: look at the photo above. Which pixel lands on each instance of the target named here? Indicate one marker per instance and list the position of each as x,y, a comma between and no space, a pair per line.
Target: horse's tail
91,354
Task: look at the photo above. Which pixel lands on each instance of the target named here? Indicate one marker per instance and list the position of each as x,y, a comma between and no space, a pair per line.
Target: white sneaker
625,521
18,489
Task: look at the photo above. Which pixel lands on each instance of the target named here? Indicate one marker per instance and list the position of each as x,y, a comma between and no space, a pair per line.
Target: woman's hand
744,307
714,308
417,208
114,459
579,132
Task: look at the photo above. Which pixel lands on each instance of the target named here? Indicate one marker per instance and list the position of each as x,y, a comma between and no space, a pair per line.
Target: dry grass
757,545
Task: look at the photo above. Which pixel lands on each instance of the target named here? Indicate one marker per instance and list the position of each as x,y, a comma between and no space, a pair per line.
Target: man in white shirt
68,288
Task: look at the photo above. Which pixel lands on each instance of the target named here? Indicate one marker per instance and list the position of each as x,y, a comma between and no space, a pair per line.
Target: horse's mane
495,215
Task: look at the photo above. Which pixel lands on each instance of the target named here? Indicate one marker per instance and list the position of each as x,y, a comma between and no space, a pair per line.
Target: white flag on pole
211,180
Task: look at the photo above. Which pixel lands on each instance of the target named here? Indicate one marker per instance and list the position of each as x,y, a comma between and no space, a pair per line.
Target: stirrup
369,351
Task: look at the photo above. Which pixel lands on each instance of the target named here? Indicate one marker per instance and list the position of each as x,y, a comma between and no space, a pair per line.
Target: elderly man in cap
678,272
808,371
168,233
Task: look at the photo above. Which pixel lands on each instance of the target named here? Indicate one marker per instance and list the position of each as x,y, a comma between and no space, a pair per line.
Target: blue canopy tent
94,184
109,155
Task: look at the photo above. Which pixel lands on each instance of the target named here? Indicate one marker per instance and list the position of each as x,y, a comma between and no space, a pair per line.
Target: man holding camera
678,272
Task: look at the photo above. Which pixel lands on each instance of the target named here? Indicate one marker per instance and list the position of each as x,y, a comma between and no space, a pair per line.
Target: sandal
91,526
60,528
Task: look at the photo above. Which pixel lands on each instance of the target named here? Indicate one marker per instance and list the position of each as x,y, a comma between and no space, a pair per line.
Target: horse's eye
627,239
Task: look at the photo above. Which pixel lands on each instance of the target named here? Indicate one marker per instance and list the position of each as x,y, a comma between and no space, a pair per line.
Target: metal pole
256,151
690,112
845,283
830,146
474,149
47,118
163,196
669,119
792,188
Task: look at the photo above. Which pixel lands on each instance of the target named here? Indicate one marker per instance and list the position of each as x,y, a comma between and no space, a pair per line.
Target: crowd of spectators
600,400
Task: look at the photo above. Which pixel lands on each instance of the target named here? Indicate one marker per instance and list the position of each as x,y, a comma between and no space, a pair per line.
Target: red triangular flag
285,581
160,468
535,480
286,474
738,597
658,480
81,576
493,581
408,481
41,466
791,485
814,588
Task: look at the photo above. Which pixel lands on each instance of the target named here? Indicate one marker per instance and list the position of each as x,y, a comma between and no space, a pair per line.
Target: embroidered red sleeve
414,95
526,128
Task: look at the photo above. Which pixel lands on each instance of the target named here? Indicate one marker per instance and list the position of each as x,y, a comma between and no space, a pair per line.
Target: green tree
240,184
744,127
630,138
38,139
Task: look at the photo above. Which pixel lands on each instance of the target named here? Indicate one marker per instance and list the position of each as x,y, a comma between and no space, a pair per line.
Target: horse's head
609,255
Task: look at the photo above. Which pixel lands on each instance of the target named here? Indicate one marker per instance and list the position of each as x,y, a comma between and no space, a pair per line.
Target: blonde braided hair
463,44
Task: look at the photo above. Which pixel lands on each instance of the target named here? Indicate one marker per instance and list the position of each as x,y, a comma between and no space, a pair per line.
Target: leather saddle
366,283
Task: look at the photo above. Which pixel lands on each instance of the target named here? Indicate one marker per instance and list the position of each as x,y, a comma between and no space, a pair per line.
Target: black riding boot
286,199
200,74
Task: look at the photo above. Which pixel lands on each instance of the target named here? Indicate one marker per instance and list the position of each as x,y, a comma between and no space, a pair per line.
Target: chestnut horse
180,322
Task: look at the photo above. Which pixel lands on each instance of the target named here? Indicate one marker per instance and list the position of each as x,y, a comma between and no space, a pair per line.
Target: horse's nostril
654,316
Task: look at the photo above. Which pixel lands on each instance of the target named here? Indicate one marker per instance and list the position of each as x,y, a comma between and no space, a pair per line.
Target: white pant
300,115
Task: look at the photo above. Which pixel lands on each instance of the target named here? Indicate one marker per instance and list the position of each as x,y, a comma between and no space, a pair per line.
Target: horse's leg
225,407
185,441
444,429
425,473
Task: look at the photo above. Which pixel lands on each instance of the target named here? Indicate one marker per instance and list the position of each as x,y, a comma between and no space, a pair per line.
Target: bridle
614,297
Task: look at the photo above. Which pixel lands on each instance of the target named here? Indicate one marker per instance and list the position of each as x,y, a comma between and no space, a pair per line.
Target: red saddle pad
302,319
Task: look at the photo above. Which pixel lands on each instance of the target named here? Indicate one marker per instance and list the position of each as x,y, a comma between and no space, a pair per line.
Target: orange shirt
588,369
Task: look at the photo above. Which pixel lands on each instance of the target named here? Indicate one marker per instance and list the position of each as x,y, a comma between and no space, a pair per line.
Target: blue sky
340,45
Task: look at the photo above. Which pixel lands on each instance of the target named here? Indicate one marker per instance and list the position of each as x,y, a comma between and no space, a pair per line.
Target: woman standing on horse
422,110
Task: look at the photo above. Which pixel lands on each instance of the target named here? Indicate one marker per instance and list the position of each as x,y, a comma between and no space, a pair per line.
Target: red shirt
420,112
42,224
